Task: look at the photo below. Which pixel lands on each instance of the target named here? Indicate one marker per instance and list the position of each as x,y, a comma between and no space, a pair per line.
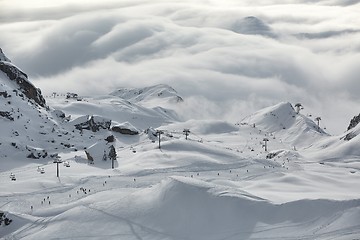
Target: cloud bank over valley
226,58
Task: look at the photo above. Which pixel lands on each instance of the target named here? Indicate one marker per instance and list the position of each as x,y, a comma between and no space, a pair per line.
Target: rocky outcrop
21,79
36,153
3,57
93,123
110,139
125,128
5,94
353,123
6,115
125,131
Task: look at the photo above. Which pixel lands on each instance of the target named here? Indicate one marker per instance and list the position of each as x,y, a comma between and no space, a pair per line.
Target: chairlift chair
66,164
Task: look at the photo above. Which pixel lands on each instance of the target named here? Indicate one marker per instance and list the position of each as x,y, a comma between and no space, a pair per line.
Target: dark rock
6,115
5,94
110,138
94,124
31,155
20,78
36,153
353,123
123,130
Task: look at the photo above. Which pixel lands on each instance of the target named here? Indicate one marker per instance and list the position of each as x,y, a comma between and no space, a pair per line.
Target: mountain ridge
283,121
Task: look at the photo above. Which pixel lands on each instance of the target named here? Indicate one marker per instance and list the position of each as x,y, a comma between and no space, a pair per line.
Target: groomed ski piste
219,182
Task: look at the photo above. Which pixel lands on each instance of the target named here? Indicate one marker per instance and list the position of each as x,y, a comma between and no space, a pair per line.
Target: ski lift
57,161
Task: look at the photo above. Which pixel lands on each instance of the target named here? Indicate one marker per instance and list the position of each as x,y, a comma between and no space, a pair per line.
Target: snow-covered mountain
285,123
342,148
24,116
151,107
148,94
275,175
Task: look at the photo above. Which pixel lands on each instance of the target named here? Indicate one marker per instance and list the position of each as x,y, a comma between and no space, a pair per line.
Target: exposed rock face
36,153
6,115
89,157
353,123
110,139
20,78
4,94
125,128
94,124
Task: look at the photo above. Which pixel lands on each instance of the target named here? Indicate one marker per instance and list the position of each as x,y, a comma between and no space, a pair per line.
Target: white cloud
311,55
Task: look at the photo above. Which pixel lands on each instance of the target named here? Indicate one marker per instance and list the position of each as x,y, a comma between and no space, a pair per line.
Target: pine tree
112,153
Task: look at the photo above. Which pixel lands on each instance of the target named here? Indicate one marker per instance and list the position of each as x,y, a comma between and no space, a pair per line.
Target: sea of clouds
226,58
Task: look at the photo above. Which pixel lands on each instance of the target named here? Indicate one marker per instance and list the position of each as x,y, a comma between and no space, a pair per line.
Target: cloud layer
231,58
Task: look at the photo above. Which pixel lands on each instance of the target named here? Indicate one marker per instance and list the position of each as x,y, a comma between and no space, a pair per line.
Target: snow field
218,184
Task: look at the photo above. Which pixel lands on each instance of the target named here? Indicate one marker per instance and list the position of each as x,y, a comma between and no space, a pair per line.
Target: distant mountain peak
252,25
273,118
160,91
283,120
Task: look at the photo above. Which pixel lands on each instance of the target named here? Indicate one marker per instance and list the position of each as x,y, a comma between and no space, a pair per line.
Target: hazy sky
226,58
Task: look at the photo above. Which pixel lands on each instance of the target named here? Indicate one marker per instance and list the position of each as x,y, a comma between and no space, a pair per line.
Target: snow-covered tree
112,153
